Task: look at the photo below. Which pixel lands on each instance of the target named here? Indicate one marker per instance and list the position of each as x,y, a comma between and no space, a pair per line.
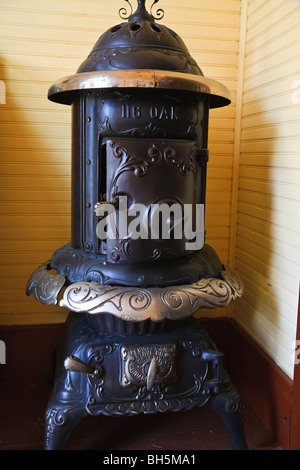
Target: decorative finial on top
159,13
141,12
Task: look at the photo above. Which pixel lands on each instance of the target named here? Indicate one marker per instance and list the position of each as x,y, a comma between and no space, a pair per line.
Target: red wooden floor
22,407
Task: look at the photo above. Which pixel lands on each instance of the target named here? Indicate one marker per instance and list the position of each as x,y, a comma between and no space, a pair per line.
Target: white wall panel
268,218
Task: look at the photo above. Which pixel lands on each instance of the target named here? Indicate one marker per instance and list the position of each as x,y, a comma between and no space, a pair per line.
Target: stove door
151,186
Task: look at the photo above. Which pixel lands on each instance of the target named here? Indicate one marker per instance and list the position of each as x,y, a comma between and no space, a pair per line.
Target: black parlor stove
137,267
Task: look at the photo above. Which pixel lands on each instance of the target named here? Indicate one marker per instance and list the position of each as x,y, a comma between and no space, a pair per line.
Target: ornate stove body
137,267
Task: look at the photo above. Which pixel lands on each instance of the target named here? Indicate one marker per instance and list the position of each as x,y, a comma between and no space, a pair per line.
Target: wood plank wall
43,41
268,219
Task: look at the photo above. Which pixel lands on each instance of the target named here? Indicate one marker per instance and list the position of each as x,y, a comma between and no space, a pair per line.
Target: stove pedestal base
116,375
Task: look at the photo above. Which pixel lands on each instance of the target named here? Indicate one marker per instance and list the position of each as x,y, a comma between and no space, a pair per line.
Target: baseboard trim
257,378
261,382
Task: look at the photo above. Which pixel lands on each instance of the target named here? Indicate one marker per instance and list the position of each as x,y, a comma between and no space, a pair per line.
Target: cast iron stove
131,344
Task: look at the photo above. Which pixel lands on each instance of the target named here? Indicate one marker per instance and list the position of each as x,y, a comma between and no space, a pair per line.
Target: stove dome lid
139,53
140,43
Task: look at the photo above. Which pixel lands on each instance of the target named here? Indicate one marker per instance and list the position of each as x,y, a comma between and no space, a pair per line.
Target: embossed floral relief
139,164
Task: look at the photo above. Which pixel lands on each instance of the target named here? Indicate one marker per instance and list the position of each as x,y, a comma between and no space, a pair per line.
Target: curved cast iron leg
60,421
228,406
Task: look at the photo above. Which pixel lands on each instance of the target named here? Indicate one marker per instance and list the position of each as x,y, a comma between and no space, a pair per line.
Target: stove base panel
116,375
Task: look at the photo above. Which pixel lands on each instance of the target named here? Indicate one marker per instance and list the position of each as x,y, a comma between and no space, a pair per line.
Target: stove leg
228,406
59,423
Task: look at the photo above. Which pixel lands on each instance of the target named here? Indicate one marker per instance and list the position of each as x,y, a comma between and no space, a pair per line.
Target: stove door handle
201,155
151,373
106,206
73,364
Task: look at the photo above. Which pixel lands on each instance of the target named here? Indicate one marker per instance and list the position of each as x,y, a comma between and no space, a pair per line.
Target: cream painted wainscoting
42,42
267,252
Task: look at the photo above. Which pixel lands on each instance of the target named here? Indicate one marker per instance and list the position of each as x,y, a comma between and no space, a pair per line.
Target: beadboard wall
44,41
268,213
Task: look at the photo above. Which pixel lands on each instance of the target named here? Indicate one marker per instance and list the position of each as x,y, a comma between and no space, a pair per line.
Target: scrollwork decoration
156,303
159,12
139,165
123,249
45,286
136,303
123,12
